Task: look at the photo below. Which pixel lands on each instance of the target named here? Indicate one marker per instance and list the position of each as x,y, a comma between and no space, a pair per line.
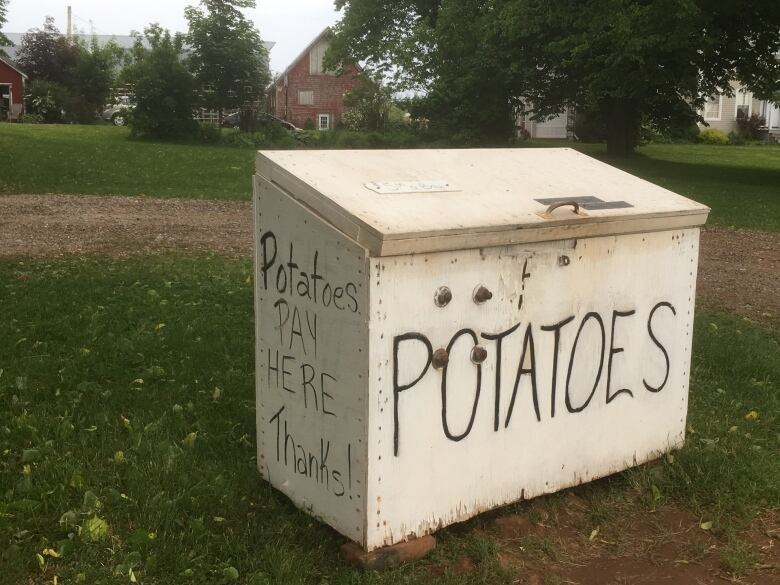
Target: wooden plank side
557,231
594,338
312,338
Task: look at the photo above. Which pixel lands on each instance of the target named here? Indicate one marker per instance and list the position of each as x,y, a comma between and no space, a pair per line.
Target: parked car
261,119
117,112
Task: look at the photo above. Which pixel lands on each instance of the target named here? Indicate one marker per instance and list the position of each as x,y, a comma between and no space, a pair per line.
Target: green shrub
736,138
30,119
48,100
209,134
309,124
713,136
751,128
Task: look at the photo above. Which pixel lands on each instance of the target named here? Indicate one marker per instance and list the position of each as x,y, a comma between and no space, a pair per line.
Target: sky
291,24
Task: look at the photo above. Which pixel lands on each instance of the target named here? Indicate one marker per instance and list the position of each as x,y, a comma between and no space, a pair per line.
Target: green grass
103,160
127,436
740,183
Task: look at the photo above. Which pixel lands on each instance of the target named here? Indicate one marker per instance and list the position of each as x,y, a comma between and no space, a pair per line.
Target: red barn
306,91
11,92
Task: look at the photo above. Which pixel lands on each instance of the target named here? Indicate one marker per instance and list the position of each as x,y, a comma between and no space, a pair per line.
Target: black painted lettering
528,350
351,291
269,258
286,372
325,395
498,338
281,280
338,293
612,352
658,344
273,368
291,266
275,418
600,322
315,276
304,289
327,295
398,388
556,329
445,425
311,323
307,376
296,329
283,310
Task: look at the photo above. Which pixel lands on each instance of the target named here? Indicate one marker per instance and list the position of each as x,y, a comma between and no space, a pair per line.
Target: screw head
440,358
482,294
443,296
478,354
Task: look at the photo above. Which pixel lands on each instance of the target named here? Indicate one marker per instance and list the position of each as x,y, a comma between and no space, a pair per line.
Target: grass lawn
740,183
127,437
103,160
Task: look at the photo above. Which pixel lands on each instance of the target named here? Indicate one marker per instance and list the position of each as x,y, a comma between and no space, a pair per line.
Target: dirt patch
45,226
739,270
564,545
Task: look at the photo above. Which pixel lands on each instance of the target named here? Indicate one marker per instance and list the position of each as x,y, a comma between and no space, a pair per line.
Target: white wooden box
587,336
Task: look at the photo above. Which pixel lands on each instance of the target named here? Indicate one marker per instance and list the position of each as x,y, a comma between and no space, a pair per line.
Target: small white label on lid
394,187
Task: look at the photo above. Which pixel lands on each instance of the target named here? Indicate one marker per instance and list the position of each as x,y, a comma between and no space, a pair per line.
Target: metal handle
555,206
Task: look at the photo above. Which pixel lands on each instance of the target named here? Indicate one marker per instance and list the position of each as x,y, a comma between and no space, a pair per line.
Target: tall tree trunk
622,119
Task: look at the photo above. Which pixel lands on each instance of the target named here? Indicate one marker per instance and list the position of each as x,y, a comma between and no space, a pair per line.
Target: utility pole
70,22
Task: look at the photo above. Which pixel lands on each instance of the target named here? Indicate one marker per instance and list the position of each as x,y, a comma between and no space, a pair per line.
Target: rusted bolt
481,295
478,354
563,261
440,358
443,296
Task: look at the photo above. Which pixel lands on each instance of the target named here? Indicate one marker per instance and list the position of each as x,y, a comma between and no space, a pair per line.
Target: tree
164,88
368,104
227,55
630,60
73,75
634,60
45,54
4,41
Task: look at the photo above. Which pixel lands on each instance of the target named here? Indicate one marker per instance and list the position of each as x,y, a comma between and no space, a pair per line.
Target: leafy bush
751,128
309,124
349,139
713,136
30,119
47,100
270,136
209,134
736,138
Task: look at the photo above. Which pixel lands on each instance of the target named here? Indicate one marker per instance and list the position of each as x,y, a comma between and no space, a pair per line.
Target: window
306,97
323,121
315,58
744,101
316,55
712,108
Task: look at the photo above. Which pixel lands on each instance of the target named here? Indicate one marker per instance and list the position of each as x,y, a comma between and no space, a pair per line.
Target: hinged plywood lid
410,201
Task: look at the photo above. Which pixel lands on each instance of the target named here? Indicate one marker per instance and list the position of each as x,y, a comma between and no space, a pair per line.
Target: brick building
11,91
306,91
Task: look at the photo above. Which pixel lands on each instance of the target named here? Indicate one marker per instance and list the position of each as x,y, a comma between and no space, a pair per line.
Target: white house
561,126
721,111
